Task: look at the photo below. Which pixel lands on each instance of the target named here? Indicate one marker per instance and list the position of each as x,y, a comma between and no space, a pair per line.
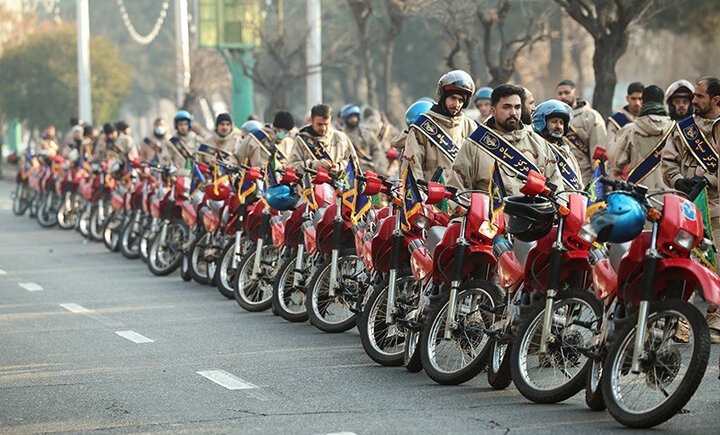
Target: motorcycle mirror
373,185
289,176
322,176
534,185
135,164
203,168
436,192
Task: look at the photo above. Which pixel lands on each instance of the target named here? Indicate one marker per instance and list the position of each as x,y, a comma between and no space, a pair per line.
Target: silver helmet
676,90
456,80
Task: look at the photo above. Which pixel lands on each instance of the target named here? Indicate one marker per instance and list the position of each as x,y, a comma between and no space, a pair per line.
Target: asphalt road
92,342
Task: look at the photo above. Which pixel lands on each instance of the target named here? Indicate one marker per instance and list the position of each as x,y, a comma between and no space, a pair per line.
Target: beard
556,134
699,111
509,125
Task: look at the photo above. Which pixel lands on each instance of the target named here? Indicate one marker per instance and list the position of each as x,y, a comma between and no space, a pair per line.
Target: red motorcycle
50,194
652,346
165,252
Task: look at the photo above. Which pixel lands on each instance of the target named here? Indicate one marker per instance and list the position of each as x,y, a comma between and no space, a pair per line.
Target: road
92,342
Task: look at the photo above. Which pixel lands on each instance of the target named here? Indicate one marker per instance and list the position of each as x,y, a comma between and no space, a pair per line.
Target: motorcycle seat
434,236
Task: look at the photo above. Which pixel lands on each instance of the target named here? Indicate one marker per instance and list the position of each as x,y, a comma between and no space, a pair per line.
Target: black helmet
530,218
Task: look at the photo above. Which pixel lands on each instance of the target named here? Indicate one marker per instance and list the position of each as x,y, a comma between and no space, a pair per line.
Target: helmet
529,218
457,81
680,88
348,110
551,107
621,221
484,94
281,197
428,99
251,125
183,114
416,109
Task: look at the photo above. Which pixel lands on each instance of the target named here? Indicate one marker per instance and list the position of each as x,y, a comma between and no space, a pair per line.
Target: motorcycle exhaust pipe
298,264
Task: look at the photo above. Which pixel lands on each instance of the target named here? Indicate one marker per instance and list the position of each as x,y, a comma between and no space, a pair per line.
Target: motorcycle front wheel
165,256
333,313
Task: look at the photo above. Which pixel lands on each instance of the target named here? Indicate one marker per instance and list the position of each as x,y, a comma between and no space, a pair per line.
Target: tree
40,84
361,11
609,23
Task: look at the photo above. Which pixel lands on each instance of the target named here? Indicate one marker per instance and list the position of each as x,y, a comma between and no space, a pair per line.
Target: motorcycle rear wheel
21,200
165,257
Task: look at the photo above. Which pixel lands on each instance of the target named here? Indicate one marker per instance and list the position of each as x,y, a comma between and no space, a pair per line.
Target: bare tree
609,23
362,10
208,76
397,12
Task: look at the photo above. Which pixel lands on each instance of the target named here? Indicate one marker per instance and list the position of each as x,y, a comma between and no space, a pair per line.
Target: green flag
701,201
442,205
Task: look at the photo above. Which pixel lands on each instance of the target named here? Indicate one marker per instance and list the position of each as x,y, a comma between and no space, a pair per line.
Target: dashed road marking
2,272
134,337
30,286
227,380
75,308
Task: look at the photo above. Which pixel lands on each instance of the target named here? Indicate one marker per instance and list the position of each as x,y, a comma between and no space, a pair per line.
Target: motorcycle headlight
685,240
421,222
587,233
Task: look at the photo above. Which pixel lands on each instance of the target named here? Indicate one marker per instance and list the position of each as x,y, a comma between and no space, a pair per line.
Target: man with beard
627,114
372,157
690,160
551,120
587,132
436,136
318,145
678,97
639,144
523,148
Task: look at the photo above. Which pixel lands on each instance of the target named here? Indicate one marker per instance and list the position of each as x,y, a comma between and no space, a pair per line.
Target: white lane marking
2,272
341,433
30,286
134,337
75,308
225,379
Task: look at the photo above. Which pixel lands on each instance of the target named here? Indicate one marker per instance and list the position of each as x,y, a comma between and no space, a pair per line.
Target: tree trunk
367,68
557,54
608,50
387,75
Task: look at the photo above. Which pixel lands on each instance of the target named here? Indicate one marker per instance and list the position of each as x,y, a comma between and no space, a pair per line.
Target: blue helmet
251,125
428,99
348,110
183,115
484,94
416,109
281,197
551,107
621,221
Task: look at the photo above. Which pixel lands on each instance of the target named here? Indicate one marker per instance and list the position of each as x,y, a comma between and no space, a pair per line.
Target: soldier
151,147
640,143
180,149
528,108
222,143
627,114
124,146
522,149
551,120
482,103
679,97
587,132
436,136
255,149
690,158
371,155
317,145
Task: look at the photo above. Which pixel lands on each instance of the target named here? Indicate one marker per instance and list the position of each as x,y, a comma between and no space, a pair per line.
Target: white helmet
680,88
456,81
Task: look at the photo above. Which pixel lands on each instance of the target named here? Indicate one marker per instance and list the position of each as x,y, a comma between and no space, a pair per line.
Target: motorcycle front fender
693,273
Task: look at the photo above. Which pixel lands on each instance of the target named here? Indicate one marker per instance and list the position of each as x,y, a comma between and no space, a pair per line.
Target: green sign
229,23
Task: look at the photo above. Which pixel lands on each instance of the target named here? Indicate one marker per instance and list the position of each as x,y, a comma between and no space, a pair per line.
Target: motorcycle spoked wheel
164,257
225,273
84,221
412,358
670,372
560,373
460,358
289,300
21,199
130,238
146,238
67,213
111,232
47,213
499,375
334,314
185,268
96,224
256,294
593,385
201,257
385,343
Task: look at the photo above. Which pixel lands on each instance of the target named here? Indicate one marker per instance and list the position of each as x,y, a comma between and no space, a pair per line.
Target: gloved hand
686,185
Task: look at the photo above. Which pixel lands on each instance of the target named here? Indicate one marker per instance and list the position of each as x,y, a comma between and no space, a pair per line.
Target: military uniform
369,151
615,123
336,143
226,144
124,146
423,157
473,165
635,142
590,129
169,153
249,151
